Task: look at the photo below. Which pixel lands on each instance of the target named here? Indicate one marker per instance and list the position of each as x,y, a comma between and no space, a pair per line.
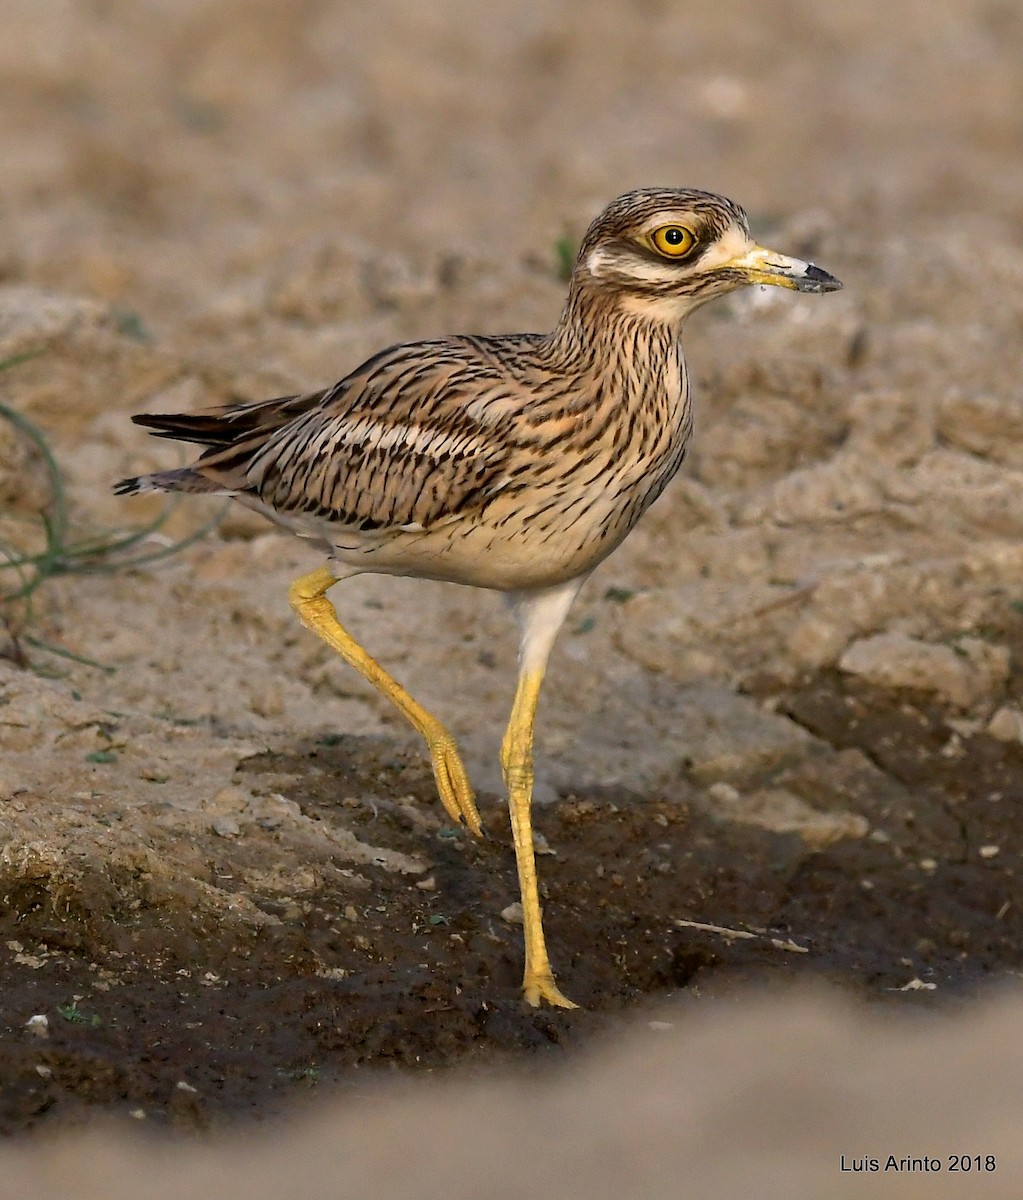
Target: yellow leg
318,614
517,764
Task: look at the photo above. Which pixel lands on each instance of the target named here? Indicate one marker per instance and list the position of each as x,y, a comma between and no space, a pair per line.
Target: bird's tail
184,479
234,430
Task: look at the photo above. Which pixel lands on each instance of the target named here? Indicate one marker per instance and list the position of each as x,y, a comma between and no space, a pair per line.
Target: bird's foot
453,785
539,986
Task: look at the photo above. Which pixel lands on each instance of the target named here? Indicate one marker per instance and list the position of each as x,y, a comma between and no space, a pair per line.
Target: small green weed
64,553
102,756
565,251
71,1012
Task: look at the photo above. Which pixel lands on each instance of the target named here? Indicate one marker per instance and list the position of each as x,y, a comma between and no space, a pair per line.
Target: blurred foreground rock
761,1099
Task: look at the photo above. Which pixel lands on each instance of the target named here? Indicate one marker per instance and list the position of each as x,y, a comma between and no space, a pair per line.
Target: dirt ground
782,735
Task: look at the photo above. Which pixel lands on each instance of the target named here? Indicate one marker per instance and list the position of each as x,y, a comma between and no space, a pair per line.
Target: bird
512,462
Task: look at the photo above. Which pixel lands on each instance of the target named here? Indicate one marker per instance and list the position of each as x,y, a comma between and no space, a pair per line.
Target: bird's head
662,252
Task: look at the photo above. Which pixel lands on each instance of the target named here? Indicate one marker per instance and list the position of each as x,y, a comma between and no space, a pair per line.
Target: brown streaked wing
393,444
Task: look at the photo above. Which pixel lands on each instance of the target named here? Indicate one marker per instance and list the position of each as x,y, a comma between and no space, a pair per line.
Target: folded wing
417,435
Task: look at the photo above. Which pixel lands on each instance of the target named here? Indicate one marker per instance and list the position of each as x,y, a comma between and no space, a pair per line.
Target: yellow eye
673,240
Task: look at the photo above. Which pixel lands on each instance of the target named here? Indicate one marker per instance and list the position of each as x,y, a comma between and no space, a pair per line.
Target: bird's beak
764,266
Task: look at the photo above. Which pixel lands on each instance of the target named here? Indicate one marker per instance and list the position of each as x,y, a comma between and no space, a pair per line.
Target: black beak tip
816,280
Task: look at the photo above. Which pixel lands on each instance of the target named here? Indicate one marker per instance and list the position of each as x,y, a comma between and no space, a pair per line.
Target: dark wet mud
159,1013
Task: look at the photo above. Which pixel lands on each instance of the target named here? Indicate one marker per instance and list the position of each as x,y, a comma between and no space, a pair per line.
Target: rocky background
787,713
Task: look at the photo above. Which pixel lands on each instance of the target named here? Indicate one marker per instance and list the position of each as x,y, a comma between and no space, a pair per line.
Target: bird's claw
541,987
453,786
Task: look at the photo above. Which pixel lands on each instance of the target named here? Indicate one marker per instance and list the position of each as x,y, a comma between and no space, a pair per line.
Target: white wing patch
419,439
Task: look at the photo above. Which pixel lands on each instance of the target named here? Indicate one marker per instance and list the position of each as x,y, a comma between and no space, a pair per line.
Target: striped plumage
516,462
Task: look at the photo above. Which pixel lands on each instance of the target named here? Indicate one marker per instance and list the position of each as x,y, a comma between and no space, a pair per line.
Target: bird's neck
631,384
605,333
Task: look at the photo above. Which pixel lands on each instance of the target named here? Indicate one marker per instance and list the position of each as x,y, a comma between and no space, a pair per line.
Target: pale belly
516,545
480,556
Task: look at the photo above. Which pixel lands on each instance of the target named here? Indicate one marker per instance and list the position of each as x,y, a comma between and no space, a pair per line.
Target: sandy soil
789,706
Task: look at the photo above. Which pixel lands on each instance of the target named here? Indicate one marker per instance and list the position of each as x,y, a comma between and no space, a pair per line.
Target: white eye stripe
653,272
596,260
601,263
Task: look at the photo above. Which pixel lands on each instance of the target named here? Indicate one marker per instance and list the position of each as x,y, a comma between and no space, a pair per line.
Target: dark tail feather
217,427
182,480
205,429
233,431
